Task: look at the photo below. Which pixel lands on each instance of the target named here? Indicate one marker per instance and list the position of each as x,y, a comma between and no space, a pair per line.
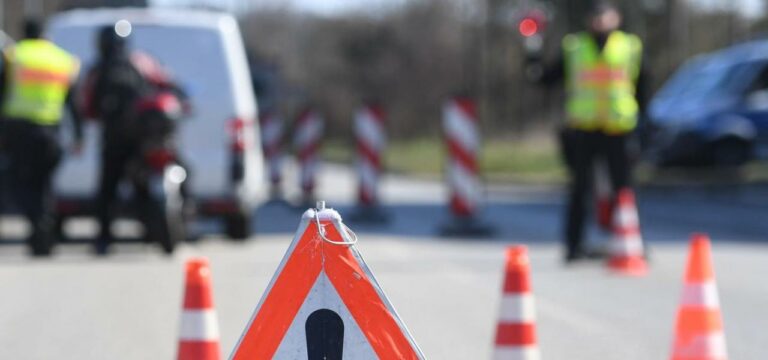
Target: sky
752,8
321,7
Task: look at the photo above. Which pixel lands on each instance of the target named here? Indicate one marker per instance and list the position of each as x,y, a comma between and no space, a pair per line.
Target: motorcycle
158,174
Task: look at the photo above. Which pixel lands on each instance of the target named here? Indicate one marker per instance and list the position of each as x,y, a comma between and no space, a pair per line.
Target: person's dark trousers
34,154
115,157
584,148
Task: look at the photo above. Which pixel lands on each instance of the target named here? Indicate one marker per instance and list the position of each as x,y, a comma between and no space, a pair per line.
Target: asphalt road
446,290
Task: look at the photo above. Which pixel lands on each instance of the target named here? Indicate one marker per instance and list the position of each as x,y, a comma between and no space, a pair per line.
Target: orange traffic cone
199,334
626,247
516,330
699,328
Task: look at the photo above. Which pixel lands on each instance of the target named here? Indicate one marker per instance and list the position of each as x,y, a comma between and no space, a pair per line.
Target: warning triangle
324,303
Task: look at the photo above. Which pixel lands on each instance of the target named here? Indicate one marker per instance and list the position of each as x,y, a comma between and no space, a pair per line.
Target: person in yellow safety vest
35,85
605,80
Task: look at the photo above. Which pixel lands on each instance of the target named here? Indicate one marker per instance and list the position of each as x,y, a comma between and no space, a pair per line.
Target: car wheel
238,226
731,152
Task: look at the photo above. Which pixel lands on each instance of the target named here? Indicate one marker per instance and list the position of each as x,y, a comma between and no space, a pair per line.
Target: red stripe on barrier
516,334
467,106
198,350
460,207
369,154
303,117
467,159
365,197
308,151
377,112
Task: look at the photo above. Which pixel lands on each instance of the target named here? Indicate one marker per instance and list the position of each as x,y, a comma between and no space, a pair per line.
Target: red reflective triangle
307,257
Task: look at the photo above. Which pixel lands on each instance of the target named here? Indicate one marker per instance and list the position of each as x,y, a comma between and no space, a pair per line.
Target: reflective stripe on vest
39,78
601,85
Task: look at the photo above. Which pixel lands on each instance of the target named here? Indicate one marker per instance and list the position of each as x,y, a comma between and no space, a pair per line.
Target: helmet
112,38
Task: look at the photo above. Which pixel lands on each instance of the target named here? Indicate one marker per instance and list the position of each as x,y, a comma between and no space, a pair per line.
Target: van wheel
237,226
731,152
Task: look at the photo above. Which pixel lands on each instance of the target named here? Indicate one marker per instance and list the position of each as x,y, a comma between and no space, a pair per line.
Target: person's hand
77,148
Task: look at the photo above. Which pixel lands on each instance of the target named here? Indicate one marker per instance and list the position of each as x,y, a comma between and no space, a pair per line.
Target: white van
219,143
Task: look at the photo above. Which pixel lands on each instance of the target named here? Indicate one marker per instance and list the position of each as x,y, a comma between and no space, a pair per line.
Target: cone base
629,266
199,350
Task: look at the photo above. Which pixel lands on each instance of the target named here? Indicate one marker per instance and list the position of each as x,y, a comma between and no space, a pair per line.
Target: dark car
713,110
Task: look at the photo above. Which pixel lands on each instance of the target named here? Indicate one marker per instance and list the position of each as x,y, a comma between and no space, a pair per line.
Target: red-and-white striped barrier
462,136
199,332
307,139
516,330
371,141
272,131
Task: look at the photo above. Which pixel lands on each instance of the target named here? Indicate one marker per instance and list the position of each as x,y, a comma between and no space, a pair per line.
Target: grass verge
533,160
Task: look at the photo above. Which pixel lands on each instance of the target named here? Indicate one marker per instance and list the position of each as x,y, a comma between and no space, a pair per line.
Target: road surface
447,291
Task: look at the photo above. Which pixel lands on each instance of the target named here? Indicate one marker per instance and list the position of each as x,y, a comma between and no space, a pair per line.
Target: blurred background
411,54
701,147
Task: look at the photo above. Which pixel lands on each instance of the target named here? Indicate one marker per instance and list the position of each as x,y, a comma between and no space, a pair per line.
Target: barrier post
462,137
371,142
307,140
272,132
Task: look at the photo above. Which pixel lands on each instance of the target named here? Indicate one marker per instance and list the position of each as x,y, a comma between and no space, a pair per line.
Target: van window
194,56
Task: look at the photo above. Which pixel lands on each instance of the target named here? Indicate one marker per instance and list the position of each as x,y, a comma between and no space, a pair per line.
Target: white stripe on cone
627,217
710,346
199,325
703,295
626,245
516,353
517,308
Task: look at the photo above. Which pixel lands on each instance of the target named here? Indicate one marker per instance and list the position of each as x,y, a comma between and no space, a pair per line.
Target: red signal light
528,27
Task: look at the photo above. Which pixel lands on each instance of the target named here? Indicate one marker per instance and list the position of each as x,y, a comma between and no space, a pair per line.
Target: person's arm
4,71
86,102
77,119
643,92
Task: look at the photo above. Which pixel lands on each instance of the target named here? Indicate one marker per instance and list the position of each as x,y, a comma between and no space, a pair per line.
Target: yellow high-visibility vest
39,76
601,86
